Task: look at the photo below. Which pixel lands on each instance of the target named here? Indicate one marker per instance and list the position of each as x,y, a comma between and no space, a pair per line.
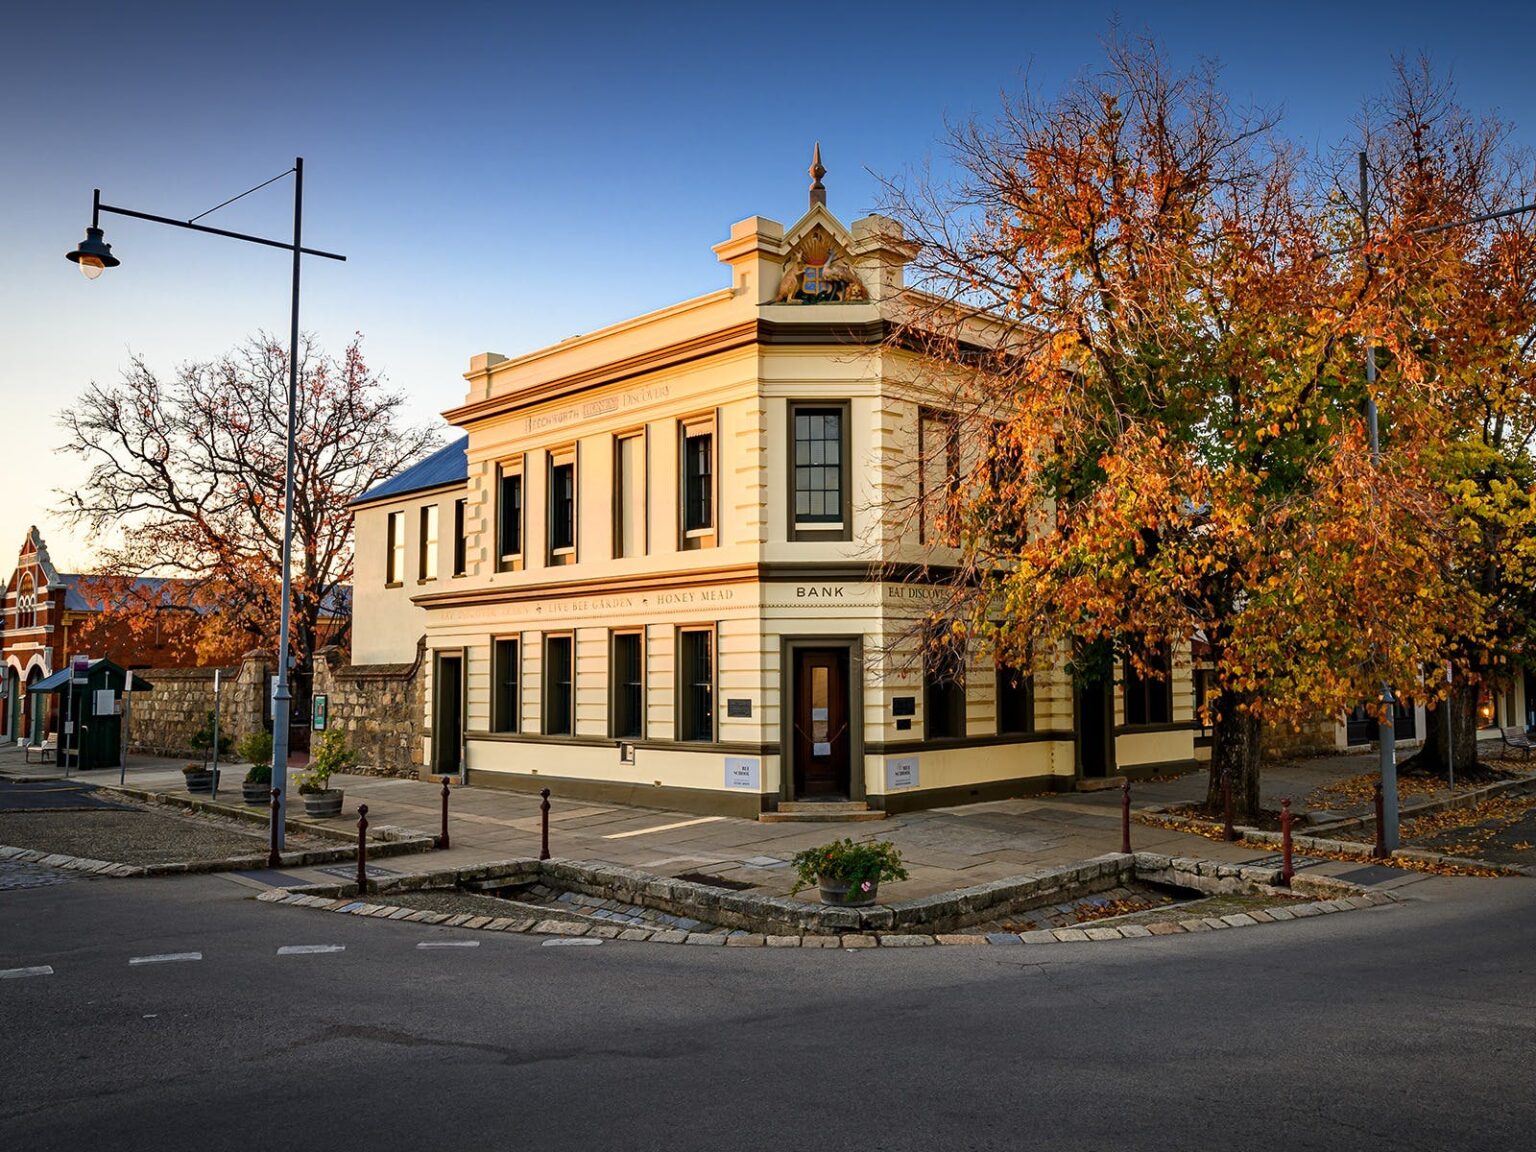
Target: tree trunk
1235,749
1445,736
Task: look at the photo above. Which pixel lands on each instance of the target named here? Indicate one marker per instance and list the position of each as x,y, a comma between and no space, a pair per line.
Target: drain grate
349,871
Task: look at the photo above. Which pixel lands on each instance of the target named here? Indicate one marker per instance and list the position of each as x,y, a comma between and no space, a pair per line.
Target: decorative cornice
770,573
766,333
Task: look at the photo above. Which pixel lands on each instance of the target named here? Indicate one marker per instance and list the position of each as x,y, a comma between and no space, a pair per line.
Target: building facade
660,568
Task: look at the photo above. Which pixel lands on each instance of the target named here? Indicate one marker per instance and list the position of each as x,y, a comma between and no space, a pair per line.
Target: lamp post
94,256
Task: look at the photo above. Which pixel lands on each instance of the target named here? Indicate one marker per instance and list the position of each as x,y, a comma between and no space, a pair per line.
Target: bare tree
186,478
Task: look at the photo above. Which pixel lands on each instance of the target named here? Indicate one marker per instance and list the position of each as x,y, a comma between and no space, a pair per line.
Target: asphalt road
1408,1027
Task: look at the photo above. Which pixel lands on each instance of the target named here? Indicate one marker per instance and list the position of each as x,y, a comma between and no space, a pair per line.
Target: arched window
26,603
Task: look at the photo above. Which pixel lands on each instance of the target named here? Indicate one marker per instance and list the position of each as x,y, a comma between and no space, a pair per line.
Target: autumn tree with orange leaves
1167,438
186,480
1454,301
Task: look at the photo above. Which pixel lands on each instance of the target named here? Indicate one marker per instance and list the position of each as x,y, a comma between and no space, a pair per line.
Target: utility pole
1387,730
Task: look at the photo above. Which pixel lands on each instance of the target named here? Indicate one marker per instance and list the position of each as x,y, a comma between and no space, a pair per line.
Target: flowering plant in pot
330,755
848,872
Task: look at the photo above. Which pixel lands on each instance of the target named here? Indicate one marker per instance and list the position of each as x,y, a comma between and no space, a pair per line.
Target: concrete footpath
944,848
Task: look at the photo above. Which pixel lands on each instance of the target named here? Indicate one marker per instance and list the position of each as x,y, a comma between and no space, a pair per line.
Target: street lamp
94,256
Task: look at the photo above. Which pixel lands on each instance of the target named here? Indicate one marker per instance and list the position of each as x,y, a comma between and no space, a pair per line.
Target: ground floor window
943,686
558,681
1015,702
627,686
504,674
1149,698
696,684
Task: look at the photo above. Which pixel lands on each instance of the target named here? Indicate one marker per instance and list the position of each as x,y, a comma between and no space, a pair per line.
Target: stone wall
1280,740
164,720
379,706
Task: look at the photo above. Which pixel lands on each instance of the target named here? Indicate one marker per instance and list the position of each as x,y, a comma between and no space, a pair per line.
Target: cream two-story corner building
657,570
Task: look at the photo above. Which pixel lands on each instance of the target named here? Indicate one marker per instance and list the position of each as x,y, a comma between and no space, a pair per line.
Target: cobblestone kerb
251,861
383,840
776,922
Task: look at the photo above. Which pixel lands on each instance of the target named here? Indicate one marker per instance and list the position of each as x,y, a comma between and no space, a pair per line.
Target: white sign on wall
743,772
106,701
901,772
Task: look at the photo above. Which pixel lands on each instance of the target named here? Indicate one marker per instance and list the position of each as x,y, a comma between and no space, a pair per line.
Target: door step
821,812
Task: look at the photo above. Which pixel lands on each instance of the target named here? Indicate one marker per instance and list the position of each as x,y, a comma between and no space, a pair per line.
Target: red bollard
273,859
1380,849
1125,817
544,820
1226,804
442,841
362,849
1286,871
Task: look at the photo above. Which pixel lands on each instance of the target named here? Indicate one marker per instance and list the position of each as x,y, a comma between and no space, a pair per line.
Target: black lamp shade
94,250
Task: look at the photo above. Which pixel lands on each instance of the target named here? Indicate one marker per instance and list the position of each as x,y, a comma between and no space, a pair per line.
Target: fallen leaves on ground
1466,831
1359,791
1212,831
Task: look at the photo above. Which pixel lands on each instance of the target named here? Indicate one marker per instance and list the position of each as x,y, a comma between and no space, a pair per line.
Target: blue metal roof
167,591
448,465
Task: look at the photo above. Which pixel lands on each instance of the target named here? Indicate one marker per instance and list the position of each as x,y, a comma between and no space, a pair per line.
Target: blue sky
503,176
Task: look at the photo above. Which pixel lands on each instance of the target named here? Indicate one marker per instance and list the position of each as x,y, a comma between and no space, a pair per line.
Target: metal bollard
544,821
1380,850
1226,805
442,841
1125,817
1286,870
362,849
273,859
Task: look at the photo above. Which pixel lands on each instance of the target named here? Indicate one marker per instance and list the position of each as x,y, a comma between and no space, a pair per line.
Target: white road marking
561,941
166,958
449,944
309,949
662,828
18,973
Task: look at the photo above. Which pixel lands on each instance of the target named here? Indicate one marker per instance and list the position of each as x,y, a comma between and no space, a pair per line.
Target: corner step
821,812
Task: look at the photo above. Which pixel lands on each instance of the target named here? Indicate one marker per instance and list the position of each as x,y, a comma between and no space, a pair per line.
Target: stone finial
818,189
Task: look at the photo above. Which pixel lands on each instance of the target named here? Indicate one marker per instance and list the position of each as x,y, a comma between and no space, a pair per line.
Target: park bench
44,748
1515,738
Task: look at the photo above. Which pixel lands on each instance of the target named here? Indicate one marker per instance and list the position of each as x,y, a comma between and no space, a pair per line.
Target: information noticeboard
743,772
901,772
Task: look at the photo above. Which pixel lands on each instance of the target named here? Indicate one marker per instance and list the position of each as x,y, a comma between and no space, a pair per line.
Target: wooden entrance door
821,737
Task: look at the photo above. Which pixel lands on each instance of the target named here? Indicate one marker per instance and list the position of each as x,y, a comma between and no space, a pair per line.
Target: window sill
394,584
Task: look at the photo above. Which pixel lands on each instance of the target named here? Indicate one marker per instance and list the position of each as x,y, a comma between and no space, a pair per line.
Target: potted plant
198,778
256,750
846,872
330,755
202,739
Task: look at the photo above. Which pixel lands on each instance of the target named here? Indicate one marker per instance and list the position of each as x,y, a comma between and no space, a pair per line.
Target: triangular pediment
817,268
818,214
35,551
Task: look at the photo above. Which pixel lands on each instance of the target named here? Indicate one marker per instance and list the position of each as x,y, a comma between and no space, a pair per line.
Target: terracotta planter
198,781
845,894
322,804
